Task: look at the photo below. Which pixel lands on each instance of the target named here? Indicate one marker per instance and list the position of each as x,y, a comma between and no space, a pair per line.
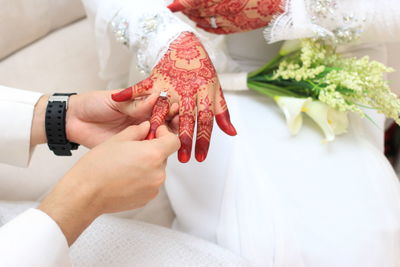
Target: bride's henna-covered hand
231,16
188,75
159,115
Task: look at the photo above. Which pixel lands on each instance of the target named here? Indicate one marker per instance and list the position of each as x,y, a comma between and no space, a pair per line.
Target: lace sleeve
145,28
339,21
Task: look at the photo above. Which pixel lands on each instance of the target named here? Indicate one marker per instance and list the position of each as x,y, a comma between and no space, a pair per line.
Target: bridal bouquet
310,77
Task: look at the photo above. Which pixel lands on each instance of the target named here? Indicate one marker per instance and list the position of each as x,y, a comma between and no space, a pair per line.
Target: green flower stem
270,90
269,66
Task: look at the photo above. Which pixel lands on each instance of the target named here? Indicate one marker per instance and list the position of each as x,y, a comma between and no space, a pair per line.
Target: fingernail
201,154
224,122
183,155
202,147
122,96
176,6
232,131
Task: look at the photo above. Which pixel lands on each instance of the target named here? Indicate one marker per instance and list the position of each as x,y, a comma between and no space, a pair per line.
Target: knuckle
159,179
154,155
154,194
176,141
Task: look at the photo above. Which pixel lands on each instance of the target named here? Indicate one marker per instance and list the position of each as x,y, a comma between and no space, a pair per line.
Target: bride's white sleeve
125,29
341,21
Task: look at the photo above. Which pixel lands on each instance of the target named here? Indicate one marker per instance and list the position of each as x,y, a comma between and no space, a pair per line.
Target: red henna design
122,96
205,121
187,73
222,101
224,122
235,15
186,128
223,117
134,91
204,130
160,112
269,7
230,7
176,6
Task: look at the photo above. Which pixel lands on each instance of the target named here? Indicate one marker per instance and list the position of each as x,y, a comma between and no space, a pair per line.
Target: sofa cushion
63,61
24,21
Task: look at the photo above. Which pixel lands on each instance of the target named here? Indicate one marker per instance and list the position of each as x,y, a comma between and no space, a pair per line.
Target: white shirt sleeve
33,239
16,109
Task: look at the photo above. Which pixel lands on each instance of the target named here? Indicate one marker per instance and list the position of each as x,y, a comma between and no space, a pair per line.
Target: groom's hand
93,117
120,174
228,16
188,75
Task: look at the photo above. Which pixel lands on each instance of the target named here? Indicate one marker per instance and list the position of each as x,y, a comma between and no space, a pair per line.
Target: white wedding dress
274,199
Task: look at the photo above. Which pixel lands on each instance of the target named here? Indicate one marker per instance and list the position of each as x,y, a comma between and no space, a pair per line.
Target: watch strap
56,112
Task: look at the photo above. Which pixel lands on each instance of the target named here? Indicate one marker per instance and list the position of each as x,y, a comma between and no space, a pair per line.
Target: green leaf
271,90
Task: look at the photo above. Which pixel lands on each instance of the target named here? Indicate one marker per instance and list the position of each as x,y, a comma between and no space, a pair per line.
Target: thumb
166,141
134,132
176,6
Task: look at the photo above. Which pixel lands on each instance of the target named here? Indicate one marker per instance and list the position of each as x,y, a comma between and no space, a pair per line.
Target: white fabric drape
371,20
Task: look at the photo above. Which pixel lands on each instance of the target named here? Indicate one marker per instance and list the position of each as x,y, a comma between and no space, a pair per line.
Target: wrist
38,132
71,207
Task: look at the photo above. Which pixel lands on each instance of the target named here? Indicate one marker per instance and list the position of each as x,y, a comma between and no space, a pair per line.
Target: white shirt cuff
16,109
33,239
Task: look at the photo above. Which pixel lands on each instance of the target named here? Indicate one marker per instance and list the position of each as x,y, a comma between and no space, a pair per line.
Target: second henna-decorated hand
188,75
231,16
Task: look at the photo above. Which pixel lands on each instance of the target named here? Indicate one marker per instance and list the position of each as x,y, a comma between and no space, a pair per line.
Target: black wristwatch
56,112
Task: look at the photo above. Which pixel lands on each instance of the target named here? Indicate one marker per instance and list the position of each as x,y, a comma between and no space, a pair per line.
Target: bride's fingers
222,115
179,5
140,89
205,121
186,129
163,112
160,112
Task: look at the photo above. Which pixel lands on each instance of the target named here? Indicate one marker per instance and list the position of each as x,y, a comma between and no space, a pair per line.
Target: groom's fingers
140,89
138,109
166,142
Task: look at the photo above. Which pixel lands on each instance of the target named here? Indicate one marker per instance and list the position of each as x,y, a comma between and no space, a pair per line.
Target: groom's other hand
120,174
229,16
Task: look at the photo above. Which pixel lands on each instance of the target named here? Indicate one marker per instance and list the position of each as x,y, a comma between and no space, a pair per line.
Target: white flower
331,121
292,108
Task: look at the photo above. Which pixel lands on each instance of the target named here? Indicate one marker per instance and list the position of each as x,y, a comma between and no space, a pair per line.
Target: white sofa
48,46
